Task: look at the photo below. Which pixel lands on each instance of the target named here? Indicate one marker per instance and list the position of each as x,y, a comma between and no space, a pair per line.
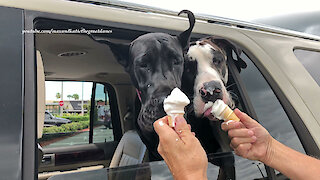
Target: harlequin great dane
205,79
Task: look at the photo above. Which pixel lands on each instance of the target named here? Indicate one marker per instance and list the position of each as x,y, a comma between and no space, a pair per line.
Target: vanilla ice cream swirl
175,102
217,108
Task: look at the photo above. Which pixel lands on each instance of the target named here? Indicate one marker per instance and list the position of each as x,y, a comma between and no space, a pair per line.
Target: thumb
246,120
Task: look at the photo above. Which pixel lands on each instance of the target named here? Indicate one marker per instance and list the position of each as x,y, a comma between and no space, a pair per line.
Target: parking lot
100,134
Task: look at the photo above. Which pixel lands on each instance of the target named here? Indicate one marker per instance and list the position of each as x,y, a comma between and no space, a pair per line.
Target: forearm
291,163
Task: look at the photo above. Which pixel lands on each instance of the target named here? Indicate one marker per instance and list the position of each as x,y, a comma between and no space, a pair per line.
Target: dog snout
211,91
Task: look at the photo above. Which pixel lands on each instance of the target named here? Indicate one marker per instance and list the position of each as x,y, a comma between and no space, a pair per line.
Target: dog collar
139,94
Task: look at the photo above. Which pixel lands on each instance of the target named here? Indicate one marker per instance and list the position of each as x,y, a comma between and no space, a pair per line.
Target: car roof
103,11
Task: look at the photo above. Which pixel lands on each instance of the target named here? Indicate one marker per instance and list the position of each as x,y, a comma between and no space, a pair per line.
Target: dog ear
229,46
119,50
184,37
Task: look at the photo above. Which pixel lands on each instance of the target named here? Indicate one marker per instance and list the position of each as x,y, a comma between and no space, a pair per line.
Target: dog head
154,62
207,72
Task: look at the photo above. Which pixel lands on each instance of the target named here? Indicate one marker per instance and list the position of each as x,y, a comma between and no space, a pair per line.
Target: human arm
181,150
252,141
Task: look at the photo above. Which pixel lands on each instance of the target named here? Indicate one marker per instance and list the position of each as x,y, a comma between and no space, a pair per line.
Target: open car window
113,98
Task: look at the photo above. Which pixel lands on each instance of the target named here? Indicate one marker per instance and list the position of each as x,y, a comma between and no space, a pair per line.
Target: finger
165,132
180,130
226,126
247,121
182,125
236,141
183,129
243,132
242,149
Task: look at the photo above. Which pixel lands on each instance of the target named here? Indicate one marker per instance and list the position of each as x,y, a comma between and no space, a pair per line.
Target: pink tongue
207,112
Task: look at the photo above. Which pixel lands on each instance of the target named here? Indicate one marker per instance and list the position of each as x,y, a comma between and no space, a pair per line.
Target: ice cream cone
222,111
172,117
227,114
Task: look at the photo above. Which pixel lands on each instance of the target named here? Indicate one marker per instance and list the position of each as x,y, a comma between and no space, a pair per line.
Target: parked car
279,87
52,120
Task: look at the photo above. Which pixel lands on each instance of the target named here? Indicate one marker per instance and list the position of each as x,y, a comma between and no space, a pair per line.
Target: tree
58,95
75,96
69,96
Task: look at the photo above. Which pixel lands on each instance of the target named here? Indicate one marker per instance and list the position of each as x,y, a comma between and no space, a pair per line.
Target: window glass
102,124
311,61
267,107
67,115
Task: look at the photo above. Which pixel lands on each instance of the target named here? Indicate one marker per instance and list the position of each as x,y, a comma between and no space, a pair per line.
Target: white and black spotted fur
206,71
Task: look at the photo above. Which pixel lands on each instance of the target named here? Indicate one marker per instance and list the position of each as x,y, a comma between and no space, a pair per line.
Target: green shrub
77,118
71,127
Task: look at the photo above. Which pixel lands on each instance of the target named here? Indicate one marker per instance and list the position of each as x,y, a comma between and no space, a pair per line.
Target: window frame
115,117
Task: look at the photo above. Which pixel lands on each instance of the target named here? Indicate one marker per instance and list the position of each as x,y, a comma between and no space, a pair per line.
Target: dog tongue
207,112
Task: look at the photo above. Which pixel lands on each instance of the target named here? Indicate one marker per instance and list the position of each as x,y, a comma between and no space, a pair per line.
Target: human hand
248,138
181,150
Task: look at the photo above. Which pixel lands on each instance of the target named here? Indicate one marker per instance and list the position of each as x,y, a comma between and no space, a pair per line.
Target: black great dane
155,63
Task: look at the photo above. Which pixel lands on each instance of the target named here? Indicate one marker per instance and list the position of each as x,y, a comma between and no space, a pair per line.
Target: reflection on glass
102,124
268,108
311,61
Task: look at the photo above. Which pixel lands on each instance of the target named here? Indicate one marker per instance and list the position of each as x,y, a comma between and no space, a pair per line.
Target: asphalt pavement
100,134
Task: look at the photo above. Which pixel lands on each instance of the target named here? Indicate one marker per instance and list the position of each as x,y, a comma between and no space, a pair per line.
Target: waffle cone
227,114
171,119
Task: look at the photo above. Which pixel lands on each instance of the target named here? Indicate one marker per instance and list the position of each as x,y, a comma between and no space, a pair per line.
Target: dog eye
143,65
177,62
216,61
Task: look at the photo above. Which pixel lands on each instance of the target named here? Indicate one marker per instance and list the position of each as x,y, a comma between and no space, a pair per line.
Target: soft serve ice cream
221,111
174,105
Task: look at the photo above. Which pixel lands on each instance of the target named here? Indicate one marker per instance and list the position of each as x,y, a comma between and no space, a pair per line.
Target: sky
69,88
245,10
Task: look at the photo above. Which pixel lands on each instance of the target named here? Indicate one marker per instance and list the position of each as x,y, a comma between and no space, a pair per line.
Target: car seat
130,150
40,101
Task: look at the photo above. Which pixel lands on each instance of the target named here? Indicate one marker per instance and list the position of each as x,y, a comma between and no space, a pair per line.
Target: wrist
192,176
268,158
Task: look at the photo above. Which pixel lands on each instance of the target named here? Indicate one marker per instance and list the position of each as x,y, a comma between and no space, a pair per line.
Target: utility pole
82,111
61,107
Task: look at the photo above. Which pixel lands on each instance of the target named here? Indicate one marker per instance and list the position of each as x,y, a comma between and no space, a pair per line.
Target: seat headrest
40,94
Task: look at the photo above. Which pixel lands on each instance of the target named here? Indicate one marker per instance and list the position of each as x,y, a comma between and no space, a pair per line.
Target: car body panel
271,50
11,66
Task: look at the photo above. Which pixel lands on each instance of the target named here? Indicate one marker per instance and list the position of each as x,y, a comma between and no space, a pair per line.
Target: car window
102,124
311,61
67,116
269,111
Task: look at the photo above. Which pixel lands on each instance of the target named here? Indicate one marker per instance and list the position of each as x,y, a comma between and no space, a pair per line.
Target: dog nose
211,91
203,92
